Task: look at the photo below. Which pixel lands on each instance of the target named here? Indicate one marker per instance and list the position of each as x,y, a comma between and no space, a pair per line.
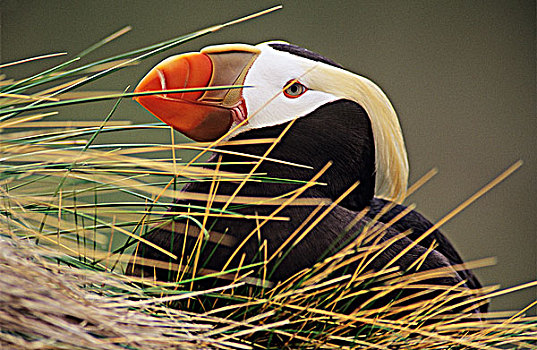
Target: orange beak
202,115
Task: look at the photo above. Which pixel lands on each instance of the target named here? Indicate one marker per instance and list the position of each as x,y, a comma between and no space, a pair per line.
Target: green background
461,74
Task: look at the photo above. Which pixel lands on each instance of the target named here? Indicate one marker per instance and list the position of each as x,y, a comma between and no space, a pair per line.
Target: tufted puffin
330,125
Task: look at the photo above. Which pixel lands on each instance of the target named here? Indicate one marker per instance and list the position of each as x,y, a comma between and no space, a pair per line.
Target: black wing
418,225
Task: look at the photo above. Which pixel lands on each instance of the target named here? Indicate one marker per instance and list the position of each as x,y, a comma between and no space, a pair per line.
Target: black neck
338,132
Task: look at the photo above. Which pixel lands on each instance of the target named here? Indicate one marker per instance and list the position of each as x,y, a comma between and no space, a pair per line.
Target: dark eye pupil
295,89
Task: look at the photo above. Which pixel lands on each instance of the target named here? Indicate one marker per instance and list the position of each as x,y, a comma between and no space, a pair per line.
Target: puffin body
320,114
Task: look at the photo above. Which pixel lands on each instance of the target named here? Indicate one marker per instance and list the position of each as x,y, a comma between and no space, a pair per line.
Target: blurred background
461,75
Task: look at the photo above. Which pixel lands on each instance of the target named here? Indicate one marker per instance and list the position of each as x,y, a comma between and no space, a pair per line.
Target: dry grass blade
4,65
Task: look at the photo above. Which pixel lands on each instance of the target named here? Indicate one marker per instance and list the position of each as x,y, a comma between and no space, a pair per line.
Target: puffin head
282,82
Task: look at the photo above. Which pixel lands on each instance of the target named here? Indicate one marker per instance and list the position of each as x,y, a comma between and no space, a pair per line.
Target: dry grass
66,288
45,304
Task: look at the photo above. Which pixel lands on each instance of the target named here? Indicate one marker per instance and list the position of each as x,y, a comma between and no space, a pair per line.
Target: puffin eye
296,89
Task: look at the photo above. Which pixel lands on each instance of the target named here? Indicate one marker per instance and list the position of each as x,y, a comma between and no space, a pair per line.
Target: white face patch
267,105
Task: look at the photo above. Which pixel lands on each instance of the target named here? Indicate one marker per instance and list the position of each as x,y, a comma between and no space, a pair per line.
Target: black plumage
302,52
338,132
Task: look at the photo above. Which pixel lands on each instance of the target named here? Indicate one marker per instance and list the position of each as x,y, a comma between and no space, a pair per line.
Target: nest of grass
72,211
46,304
